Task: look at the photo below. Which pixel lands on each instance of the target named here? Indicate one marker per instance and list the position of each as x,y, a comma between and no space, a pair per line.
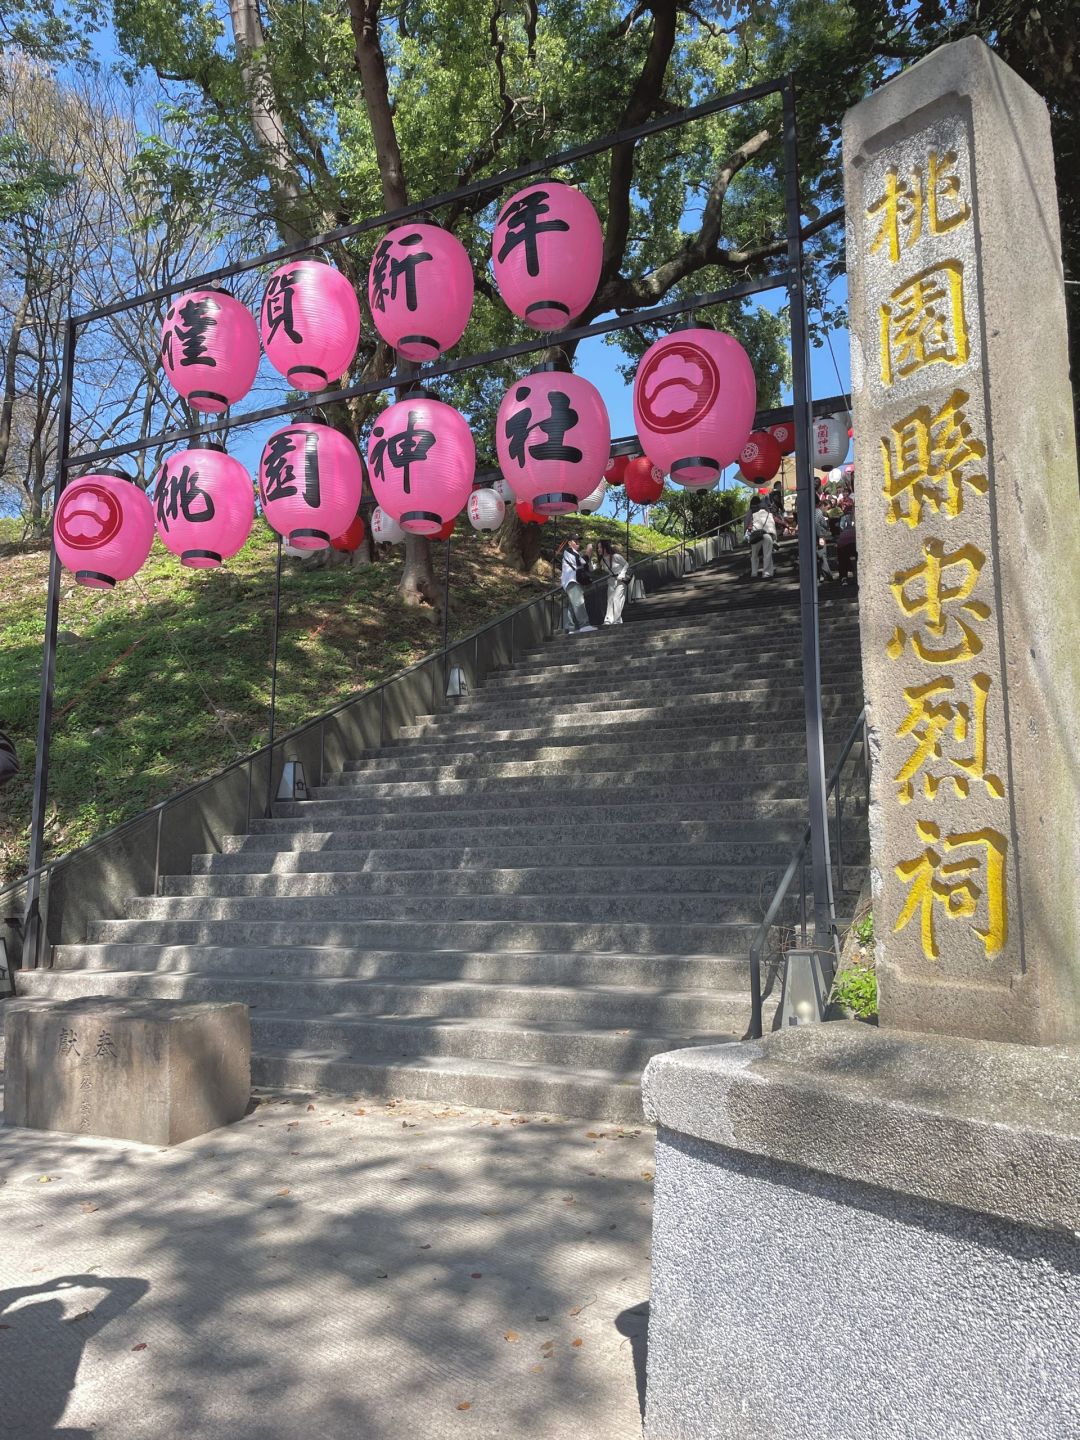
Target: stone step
761,726
586,750
596,828
486,907
598,1095
635,650
607,1007
670,672
435,966
415,934
697,692
531,783
615,853
555,880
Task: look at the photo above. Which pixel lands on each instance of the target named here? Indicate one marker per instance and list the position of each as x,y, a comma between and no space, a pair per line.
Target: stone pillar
969,550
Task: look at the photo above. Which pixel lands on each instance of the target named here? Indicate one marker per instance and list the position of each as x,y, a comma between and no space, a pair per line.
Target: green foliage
692,512
27,181
864,929
855,990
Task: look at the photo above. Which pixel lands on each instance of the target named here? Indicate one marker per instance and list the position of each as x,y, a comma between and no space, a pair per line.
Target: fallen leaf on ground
577,1344
292,1124
548,1345
540,1318
465,1405
141,1345
44,1179
477,1275
425,1247
5,1327
520,1120
646,1174
311,1107
360,1112
512,1336
88,1207
381,1275
284,1192
592,1135
568,1199
577,1309
82,1315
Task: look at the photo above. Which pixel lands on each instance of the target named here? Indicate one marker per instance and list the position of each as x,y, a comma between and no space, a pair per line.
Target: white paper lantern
485,510
503,490
828,443
593,502
384,528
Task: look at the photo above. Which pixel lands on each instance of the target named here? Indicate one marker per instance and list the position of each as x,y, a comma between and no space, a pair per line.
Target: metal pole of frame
33,946
800,376
273,684
446,611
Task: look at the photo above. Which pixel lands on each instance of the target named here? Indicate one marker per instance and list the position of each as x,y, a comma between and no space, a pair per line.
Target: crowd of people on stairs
834,529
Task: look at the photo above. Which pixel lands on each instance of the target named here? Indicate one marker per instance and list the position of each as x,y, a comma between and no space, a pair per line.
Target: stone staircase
525,898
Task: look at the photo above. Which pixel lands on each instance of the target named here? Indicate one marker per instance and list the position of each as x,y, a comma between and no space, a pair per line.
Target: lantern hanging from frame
350,539
592,502
204,504
310,323
103,529
694,403
644,481
486,510
420,289
760,457
784,435
615,469
384,528
828,443
422,458
547,250
527,515
210,349
553,438
311,478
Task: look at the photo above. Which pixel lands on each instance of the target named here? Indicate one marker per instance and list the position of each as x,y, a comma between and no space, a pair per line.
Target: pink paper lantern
547,250
310,481
694,403
310,323
204,501
422,458
210,349
420,289
103,529
553,439
760,457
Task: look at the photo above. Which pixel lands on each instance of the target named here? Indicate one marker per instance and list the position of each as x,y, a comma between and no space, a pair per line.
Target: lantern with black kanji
310,480
310,323
210,349
694,403
204,504
547,250
420,289
422,459
553,438
486,510
103,529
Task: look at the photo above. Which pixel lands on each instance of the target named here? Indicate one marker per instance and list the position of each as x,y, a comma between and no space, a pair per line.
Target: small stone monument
157,1071
969,550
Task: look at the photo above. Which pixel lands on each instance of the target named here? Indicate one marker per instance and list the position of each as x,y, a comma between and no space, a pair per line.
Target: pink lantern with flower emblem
547,250
310,323
310,481
553,438
694,403
210,349
384,528
204,501
828,443
103,529
486,510
422,458
420,289
784,435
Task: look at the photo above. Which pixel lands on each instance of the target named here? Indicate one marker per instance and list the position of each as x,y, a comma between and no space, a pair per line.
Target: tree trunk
521,543
7,406
418,585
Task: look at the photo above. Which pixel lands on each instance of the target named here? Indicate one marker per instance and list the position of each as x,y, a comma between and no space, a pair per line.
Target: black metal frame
789,277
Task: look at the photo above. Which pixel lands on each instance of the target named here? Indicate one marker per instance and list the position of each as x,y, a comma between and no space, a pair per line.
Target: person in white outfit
761,535
618,573
576,618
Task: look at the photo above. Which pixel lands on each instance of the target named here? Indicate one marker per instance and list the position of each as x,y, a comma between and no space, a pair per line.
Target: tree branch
371,68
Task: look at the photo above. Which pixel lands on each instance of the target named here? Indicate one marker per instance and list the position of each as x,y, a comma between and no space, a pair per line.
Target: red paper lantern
760,456
644,481
350,539
527,515
446,531
784,435
615,469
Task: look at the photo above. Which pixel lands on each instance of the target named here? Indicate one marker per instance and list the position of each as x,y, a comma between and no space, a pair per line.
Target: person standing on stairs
576,617
823,534
618,573
761,535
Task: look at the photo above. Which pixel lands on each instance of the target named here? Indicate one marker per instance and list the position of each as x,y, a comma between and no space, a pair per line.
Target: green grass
855,989
172,669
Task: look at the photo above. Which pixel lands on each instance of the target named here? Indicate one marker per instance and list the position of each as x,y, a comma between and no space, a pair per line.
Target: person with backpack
576,617
760,534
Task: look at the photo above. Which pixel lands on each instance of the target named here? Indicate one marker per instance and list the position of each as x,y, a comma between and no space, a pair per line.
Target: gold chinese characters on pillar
935,685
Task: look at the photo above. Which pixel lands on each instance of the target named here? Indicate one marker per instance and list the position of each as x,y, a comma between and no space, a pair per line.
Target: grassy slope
172,669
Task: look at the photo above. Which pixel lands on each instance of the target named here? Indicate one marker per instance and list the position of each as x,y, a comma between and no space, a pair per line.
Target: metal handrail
757,947
160,806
